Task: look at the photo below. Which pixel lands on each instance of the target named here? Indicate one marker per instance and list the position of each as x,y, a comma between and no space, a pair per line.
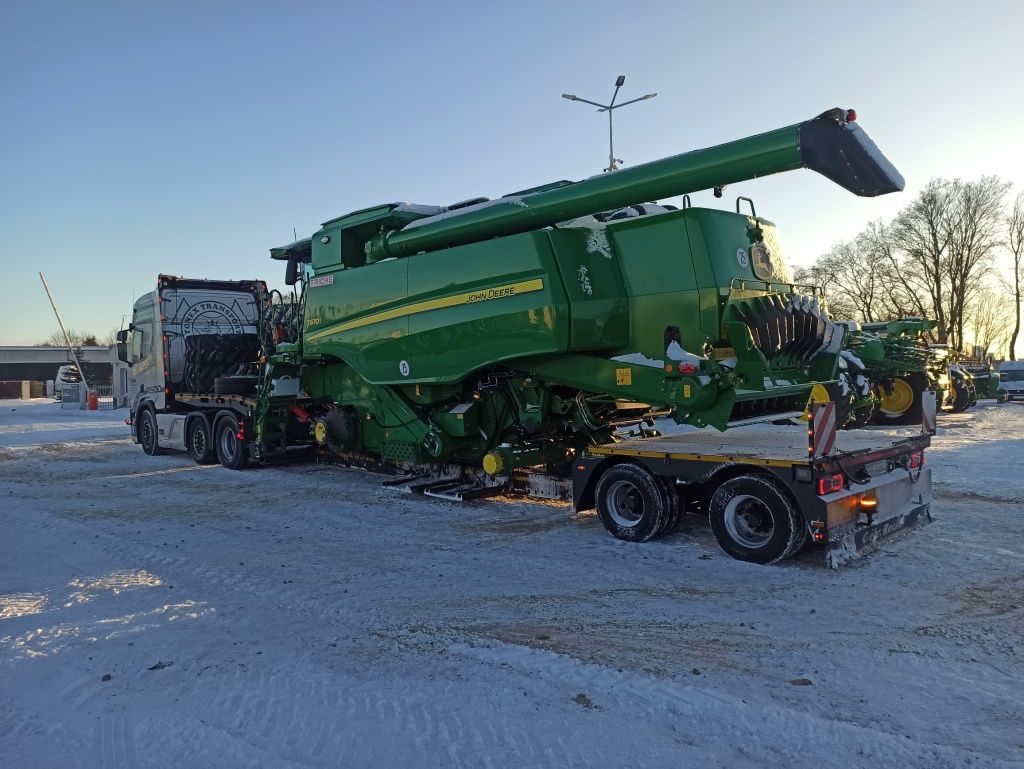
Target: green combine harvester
510,332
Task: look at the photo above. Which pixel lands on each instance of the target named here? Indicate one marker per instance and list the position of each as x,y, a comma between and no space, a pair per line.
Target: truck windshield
1012,376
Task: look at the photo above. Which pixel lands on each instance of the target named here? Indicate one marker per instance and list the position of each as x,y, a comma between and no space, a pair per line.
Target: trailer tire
674,506
231,452
631,503
755,520
149,434
197,439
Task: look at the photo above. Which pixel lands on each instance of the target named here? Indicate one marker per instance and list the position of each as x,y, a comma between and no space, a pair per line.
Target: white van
1011,378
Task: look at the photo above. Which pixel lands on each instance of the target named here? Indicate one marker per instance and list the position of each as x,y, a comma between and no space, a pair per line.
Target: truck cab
193,350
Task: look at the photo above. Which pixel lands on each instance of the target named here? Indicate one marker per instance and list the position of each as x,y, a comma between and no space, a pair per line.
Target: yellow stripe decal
469,297
613,451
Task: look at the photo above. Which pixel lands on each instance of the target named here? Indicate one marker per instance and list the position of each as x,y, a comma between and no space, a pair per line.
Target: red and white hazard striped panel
823,434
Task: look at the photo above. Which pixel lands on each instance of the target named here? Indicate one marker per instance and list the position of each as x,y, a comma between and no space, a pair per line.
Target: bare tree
78,339
973,225
863,278
920,237
820,274
989,318
1015,243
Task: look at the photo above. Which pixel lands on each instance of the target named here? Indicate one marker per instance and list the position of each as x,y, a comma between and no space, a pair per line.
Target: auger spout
830,144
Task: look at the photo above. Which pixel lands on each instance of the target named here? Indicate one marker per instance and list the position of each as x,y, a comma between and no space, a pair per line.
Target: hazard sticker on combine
623,376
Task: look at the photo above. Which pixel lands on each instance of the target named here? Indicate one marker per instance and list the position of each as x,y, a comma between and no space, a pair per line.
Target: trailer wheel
754,520
200,447
232,452
631,503
148,435
674,506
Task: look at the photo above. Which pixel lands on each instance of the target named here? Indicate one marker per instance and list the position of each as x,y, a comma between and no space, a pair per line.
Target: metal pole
71,348
611,146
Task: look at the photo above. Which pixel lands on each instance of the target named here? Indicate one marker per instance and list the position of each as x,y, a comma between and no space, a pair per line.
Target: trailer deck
767,445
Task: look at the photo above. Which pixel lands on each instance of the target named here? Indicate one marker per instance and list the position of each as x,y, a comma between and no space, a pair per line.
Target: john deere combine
510,331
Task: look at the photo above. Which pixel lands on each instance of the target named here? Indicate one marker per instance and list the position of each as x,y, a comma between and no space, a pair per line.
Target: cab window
141,336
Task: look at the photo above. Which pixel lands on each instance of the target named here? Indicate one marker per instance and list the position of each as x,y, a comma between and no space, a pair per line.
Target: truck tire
674,506
197,439
754,520
148,433
235,385
232,453
631,503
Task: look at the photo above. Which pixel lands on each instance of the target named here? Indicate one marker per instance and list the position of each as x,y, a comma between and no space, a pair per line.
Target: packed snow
156,613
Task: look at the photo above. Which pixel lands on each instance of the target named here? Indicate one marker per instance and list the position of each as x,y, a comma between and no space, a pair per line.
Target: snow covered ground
154,613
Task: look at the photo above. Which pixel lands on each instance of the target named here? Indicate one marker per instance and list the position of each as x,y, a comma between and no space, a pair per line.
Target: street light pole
613,162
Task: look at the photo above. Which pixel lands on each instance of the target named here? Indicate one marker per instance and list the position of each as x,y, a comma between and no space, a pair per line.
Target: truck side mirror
122,351
122,336
291,272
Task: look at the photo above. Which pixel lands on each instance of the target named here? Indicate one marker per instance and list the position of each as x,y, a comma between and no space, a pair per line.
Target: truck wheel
148,435
754,520
631,503
674,506
200,447
231,452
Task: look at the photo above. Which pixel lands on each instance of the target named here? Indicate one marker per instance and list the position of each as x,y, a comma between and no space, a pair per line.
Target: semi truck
531,342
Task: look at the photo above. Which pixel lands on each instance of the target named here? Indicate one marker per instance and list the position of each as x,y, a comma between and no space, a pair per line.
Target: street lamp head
649,96
619,81
569,96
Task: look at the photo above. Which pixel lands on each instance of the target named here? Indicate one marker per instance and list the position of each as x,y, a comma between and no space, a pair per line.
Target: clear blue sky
190,137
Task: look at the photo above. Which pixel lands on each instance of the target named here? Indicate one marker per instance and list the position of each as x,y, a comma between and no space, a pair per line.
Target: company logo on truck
211,318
